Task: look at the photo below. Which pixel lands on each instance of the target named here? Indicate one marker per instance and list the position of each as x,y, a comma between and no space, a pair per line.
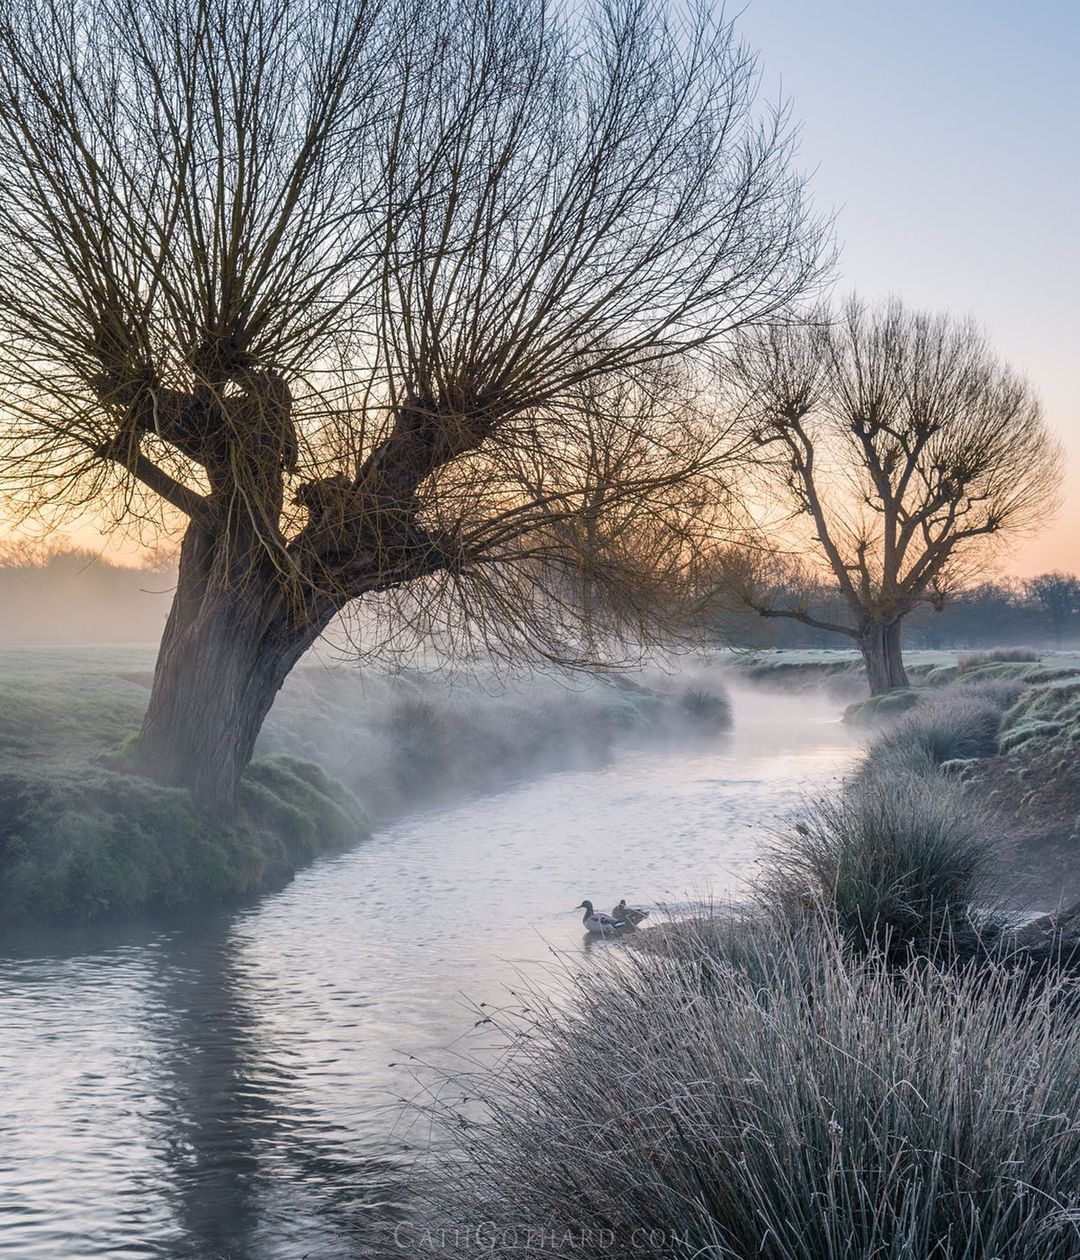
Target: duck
630,915
598,922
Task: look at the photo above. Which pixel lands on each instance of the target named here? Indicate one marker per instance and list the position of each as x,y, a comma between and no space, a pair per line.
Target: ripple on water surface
224,1089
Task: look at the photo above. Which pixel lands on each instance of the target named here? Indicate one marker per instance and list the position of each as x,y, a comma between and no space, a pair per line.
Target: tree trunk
225,653
879,643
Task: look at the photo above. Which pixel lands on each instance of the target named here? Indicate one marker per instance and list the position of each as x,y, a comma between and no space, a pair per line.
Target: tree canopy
905,447
375,296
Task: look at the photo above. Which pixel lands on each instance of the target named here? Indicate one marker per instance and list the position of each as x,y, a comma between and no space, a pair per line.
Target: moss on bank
82,836
93,840
878,708
1049,710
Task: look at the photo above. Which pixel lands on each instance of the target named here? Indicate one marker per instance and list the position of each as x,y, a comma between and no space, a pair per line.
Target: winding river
224,1088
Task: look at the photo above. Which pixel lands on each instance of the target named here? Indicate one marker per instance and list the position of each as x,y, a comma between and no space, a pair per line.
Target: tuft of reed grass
952,725
897,862
786,1102
1002,692
706,708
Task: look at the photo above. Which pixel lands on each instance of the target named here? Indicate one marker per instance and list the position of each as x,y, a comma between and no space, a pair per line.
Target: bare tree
904,447
1057,597
379,299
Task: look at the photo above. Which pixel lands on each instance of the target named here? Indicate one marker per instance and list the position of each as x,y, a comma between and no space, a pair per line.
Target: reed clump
763,1092
957,724
1012,655
898,862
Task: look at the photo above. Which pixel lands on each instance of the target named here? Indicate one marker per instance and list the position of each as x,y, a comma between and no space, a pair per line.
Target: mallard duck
598,922
631,915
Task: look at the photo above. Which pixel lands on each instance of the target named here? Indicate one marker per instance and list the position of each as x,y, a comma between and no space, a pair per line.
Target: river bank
1028,773
83,837
228,1085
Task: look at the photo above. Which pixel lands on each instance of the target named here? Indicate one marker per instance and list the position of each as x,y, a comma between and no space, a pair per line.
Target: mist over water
223,1088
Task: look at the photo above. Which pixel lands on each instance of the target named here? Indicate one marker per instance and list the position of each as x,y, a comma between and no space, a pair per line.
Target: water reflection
212,1119
160,1113
254,1167
224,1089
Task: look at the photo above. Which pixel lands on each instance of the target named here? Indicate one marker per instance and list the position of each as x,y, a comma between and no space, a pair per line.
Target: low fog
70,597
76,598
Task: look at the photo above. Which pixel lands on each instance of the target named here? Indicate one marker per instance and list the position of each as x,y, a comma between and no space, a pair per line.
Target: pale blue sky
946,136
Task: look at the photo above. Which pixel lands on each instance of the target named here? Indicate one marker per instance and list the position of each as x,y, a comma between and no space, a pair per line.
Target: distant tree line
1042,611
40,587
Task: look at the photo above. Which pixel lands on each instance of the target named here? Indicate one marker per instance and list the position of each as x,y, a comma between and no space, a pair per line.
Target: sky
945,136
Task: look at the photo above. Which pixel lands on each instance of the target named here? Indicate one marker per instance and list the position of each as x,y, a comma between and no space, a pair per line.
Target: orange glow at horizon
1055,548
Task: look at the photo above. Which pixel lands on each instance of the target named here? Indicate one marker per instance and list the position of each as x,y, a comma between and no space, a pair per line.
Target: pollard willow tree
907,449
377,297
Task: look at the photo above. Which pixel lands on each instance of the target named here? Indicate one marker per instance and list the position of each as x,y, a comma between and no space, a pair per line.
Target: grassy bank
840,671
763,1093
867,1060
90,840
83,837
1033,783
1004,737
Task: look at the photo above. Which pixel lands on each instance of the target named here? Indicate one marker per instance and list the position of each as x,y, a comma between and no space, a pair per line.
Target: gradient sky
945,134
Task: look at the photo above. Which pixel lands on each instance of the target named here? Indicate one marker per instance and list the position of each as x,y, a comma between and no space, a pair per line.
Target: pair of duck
619,920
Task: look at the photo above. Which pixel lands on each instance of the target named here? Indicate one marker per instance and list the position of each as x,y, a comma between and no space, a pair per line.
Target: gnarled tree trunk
879,643
245,612
229,644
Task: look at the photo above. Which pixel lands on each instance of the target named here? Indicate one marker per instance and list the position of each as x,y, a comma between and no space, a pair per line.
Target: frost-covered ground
82,835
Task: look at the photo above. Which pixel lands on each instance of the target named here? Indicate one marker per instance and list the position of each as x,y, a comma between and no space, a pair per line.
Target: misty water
225,1088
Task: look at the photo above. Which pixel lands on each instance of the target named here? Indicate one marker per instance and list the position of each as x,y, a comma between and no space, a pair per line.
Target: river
224,1088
